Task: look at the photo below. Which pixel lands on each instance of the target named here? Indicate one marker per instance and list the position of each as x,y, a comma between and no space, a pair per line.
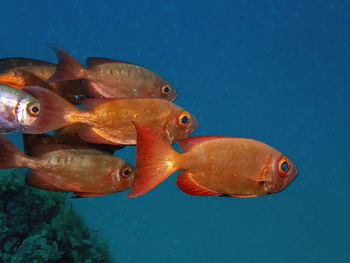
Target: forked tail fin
55,112
10,154
156,160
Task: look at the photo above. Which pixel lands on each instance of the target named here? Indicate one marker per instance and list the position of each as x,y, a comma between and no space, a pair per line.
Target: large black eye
126,172
165,90
33,109
284,166
184,118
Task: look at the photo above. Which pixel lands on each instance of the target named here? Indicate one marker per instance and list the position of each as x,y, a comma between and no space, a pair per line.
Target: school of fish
73,119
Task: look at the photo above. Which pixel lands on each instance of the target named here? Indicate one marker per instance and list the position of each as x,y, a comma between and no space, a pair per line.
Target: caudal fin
10,154
155,161
55,112
39,144
68,68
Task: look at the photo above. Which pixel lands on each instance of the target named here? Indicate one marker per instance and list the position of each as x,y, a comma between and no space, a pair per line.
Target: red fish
211,165
85,172
109,121
107,78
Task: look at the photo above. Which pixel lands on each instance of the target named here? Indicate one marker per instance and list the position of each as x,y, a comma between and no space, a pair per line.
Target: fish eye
165,90
184,118
126,172
283,166
33,109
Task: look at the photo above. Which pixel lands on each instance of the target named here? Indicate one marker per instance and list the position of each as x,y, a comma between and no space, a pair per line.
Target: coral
41,226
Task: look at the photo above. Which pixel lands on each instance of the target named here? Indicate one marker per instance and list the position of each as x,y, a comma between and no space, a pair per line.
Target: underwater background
276,71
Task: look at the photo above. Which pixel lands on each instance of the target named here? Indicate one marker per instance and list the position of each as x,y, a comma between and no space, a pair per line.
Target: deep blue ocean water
276,71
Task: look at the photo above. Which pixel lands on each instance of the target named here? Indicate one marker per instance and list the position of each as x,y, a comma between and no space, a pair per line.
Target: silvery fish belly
18,109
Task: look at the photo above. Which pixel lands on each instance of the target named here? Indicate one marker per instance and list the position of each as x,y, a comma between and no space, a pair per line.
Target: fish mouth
292,176
174,95
192,126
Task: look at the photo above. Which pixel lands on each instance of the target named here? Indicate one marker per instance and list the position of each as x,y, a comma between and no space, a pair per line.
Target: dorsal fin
68,68
96,61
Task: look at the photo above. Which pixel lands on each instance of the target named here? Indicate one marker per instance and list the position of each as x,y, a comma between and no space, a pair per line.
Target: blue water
276,71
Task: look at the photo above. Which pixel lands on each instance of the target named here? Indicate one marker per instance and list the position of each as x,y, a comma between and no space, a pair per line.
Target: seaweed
41,226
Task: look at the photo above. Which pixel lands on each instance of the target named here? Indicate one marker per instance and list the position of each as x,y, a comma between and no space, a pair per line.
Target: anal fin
93,135
244,195
36,180
84,194
188,185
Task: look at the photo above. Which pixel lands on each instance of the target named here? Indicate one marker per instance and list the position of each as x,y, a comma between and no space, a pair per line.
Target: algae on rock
41,226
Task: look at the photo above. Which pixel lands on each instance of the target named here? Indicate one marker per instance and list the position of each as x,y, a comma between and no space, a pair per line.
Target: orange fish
85,172
109,121
20,72
65,138
227,166
107,78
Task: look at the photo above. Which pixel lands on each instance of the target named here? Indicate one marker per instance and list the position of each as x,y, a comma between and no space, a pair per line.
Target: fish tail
68,68
36,144
156,160
55,112
10,155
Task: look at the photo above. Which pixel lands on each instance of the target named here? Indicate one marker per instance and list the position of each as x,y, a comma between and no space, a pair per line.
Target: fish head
123,177
165,91
180,126
18,109
283,170
27,112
